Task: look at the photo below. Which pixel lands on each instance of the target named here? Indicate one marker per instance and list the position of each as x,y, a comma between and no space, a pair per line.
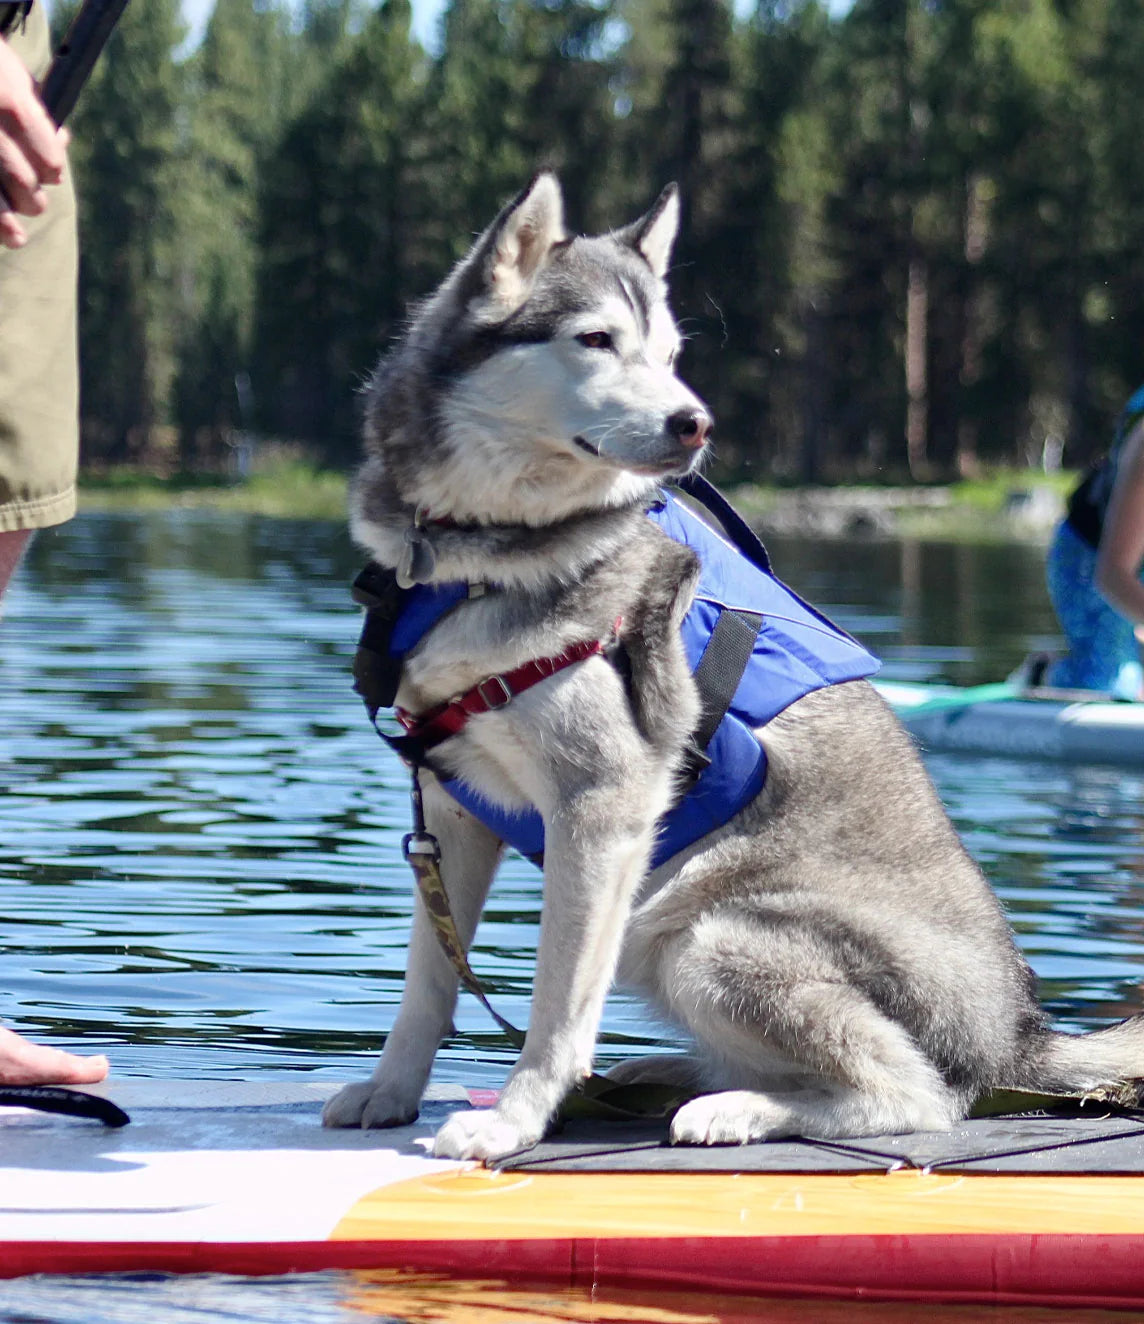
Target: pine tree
337,236
239,89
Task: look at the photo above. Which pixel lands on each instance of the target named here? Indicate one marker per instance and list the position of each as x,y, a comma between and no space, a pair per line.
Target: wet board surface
241,1177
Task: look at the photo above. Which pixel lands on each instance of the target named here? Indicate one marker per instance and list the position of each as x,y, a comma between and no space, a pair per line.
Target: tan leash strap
423,851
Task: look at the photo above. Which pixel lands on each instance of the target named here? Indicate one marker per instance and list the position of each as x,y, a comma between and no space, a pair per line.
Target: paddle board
239,1177
1005,721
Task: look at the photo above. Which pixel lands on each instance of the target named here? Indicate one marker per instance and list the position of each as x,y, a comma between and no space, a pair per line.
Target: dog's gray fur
839,964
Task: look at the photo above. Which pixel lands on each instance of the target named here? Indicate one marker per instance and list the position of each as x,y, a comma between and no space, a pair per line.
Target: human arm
32,149
1121,553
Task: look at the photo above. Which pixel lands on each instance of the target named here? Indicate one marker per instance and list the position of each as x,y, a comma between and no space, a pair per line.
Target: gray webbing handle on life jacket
733,639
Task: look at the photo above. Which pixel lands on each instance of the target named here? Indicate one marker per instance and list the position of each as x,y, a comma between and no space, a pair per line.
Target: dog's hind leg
796,1047
391,1096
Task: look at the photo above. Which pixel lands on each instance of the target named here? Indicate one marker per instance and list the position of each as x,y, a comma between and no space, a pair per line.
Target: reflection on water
200,869
395,1298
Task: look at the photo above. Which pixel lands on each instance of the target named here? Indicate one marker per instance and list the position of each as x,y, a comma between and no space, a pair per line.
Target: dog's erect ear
653,235
512,250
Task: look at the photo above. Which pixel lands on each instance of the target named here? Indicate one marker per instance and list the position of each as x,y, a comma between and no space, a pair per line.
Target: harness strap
439,723
377,673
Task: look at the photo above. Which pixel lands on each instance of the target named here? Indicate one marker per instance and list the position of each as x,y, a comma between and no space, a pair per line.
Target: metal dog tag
418,560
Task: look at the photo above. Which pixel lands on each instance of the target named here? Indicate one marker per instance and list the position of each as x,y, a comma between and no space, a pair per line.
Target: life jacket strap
446,719
735,526
377,673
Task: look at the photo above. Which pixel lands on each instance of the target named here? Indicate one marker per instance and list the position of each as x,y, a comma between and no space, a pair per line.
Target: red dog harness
446,719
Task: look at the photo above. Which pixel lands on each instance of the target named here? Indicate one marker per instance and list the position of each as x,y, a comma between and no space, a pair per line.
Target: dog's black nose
690,427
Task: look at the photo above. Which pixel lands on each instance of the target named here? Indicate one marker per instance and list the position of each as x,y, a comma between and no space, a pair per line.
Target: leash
422,851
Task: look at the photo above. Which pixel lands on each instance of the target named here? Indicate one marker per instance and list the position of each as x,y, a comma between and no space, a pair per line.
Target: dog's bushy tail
1076,1063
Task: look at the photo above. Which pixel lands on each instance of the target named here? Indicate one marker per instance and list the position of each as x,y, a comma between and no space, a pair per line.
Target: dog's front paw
734,1117
368,1105
483,1134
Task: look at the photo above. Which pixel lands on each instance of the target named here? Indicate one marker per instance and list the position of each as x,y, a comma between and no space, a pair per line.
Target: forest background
912,243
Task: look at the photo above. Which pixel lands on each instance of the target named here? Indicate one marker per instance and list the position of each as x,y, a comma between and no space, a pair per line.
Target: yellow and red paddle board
239,1177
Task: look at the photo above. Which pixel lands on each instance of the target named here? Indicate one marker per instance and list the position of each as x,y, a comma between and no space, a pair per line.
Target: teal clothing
1103,653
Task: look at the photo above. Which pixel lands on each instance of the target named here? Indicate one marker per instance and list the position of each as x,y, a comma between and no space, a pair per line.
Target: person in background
39,395
1094,570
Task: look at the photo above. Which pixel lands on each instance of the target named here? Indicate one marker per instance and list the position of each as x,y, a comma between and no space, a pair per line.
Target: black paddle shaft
77,54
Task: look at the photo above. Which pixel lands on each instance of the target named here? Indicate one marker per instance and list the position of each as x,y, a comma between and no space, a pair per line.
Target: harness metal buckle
501,699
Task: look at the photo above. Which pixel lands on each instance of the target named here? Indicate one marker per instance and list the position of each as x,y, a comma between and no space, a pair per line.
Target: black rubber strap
721,667
69,1103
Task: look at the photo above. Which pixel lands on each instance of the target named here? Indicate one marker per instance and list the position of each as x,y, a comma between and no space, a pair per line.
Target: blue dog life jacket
797,651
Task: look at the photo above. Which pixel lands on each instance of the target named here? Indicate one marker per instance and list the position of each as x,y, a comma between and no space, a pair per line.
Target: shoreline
1005,506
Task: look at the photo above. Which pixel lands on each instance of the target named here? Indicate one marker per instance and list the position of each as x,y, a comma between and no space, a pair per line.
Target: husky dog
839,965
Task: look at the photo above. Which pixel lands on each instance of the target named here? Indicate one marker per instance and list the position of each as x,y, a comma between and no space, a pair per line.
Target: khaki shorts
39,378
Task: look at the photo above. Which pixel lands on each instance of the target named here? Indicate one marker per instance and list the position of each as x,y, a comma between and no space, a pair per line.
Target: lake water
200,868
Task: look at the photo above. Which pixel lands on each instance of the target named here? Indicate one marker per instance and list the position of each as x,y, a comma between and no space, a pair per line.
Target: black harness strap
377,673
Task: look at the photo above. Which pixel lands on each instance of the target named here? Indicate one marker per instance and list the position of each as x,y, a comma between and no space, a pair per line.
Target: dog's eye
595,340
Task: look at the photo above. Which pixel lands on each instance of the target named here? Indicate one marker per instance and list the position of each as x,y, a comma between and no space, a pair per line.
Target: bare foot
24,1063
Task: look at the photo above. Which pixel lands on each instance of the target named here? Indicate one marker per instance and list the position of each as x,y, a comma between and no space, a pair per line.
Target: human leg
22,1062
38,448
12,544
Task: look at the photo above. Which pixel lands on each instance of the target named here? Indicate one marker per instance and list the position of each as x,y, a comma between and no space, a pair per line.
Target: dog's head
540,377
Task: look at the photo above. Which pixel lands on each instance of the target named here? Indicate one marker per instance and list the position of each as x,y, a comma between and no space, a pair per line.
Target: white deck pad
202,1160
